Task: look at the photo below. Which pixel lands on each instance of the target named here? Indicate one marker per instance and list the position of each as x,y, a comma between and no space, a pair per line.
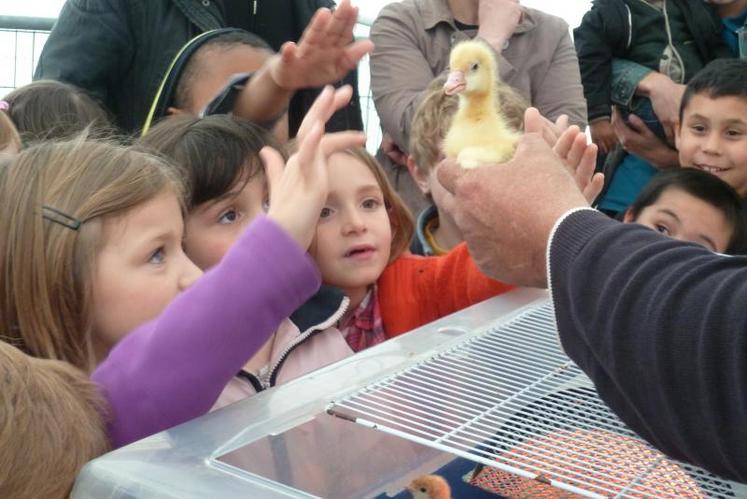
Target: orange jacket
415,290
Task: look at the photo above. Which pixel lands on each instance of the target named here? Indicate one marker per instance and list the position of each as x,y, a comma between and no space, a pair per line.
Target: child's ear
175,111
417,175
628,217
677,132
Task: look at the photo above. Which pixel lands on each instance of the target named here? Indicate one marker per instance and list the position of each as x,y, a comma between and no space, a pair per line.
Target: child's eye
228,217
662,229
732,134
371,203
325,213
697,128
158,256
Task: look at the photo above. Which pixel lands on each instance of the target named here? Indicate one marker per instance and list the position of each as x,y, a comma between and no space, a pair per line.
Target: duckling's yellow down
479,133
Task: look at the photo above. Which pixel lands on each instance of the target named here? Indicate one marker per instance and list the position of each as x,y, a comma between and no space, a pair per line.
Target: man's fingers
532,121
273,164
449,173
530,141
535,123
334,142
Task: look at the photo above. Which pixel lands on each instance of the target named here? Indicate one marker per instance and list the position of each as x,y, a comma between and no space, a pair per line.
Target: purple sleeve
172,369
660,327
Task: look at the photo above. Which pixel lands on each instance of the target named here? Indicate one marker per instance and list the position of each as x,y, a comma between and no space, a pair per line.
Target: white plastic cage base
511,399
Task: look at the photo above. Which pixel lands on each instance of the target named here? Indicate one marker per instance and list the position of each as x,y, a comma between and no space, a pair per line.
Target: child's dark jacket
609,30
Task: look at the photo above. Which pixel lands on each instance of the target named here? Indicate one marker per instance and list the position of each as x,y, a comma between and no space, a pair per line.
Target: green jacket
118,50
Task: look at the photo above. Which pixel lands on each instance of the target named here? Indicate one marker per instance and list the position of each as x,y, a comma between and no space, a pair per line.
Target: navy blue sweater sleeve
660,327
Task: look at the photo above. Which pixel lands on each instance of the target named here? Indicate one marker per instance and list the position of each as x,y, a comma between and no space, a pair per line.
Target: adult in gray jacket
413,38
119,51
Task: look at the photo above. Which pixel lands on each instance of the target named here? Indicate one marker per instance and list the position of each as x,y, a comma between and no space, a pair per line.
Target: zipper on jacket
630,27
254,7
252,379
269,379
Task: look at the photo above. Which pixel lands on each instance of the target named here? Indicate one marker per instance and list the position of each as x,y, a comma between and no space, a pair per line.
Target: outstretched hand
325,53
298,191
580,160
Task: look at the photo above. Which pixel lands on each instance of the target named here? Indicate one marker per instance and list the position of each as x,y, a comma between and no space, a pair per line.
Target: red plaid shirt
364,328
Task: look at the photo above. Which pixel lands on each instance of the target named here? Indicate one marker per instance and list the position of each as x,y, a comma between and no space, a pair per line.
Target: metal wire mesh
510,399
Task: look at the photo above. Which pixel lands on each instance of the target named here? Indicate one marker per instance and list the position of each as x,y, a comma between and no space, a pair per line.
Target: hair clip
4,105
59,217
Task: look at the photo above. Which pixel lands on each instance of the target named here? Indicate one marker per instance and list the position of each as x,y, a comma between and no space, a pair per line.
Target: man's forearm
659,326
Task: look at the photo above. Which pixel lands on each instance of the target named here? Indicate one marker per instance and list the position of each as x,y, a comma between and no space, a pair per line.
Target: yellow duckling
479,133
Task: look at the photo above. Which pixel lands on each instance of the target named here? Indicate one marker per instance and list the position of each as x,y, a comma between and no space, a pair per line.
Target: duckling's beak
455,83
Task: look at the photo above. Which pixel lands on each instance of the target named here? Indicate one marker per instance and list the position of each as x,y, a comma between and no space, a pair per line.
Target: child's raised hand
325,53
298,191
580,160
323,108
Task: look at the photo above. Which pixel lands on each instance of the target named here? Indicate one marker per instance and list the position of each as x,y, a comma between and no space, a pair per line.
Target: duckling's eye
423,490
475,67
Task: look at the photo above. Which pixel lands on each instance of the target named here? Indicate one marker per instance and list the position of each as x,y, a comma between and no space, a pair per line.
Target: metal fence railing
22,39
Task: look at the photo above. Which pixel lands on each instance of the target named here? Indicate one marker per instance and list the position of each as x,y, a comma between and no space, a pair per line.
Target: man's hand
325,53
666,97
498,20
603,135
534,122
506,211
637,138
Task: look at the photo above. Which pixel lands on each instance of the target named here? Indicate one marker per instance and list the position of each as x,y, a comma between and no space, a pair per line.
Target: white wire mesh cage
510,399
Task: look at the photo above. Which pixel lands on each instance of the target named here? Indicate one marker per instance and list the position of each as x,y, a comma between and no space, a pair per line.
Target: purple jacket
173,368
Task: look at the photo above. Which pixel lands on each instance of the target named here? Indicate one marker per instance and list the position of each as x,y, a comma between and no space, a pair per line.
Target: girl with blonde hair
94,272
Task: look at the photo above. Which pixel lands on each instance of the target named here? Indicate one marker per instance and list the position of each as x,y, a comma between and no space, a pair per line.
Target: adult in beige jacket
412,41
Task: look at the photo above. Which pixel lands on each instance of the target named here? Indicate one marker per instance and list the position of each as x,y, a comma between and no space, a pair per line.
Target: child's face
713,137
685,217
140,268
217,65
354,235
214,226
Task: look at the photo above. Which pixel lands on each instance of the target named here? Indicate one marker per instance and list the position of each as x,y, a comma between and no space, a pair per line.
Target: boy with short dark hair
691,205
712,135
